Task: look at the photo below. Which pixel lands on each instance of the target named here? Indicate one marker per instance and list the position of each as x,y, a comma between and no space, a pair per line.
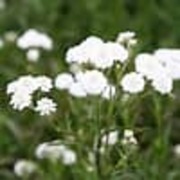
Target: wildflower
84,52
96,52
56,151
45,106
24,168
2,5
33,55
129,139
64,81
149,66
20,100
177,150
34,39
128,133
170,60
22,84
1,43
109,92
77,90
69,157
125,37
92,81
163,84
109,53
44,83
110,138
49,151
10,36
133,83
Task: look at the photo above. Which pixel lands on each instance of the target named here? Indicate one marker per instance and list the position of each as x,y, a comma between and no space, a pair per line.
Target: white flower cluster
176,150
96,52
89,82
129,138
32,40
110,138
56,151
127,38
22,89
160,69
24,168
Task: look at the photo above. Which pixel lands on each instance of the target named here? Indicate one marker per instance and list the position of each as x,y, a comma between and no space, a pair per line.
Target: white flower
111,138
45,106
92,81
34,39
96,52
1,43
128,138
84,52
10,36
109,92
2,4
56,151
163,84
133,83
126,36
129,141
177,150
24,84
23,168
33,55
77,90
128,133
20,100
149,66
170,58
63,81
69,157
44,83
49,151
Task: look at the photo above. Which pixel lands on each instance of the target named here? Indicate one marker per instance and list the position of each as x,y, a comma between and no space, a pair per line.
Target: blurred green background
156,22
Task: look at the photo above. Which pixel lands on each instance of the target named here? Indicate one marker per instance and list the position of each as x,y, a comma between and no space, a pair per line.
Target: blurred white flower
10,36
129,141
109,92
55,152
77,90
124,37
23,168
21,100
128,133
149,66
109,53
69,157
163,84
84,52
63,81
24,84
133,83
129,138
45,106
34,39
176,150
33,55
110,138
2,5
96,52
44,83
170,58
1,43
49,151
92,81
